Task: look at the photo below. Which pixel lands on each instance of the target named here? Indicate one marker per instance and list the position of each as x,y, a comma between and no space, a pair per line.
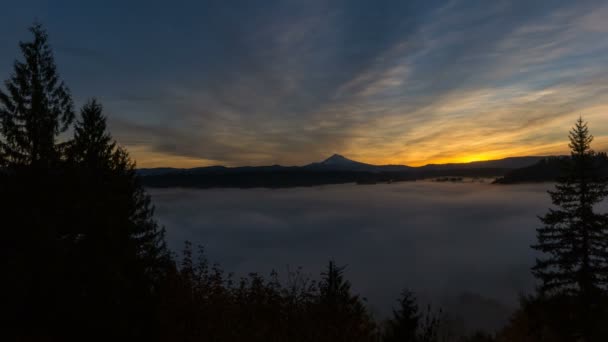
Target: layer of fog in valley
462,246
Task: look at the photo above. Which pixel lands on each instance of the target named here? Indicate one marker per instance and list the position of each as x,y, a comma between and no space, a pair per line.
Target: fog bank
464,246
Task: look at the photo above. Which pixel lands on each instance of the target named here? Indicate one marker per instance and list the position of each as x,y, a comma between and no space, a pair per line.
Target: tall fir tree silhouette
110,172
118,237
574,238
36,106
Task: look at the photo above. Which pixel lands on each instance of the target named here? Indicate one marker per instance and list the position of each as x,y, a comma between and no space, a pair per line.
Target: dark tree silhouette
410,324
79,245
342,315
200,303
574,238
121,247
404,324
109,169
36,106
92,146
540,318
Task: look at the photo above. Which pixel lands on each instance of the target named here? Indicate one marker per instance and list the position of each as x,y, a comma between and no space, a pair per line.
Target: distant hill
340,163
506,163
549,170
546,170
336,169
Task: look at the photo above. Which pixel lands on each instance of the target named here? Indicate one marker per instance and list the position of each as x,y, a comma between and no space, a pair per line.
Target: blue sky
187,83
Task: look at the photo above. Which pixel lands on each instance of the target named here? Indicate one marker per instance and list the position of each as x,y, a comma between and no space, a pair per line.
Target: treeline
200,303
551,169
273,178
82,257
286,177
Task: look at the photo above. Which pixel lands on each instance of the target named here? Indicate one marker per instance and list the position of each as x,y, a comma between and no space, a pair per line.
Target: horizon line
356,161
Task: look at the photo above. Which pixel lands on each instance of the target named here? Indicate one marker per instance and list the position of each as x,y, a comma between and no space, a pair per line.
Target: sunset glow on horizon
409,83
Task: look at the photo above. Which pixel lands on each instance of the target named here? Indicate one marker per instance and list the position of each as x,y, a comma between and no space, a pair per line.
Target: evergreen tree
92,146
342,315
120,247
109,169
334,289
36,106
404,325
410,324
574,238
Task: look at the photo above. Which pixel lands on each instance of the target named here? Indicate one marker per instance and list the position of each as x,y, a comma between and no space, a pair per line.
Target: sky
194,83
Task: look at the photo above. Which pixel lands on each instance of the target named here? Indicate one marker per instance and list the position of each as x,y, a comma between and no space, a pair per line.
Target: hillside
549,170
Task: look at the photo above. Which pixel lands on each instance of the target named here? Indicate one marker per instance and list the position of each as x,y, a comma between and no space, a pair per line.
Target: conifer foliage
574,238
35,107
106,168
403,326
574,241
92,146
409,324
342,315
115,231
79,242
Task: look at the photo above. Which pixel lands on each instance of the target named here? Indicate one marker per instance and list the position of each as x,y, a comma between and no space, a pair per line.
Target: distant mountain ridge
337,162
336,169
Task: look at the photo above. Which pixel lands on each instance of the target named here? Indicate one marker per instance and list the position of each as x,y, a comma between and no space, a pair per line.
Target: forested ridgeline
551,169
84,259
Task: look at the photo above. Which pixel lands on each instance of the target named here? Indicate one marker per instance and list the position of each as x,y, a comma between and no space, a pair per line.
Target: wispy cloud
291,82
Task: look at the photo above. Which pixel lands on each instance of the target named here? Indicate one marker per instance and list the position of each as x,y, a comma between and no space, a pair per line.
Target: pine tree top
92,144
36,106
580,138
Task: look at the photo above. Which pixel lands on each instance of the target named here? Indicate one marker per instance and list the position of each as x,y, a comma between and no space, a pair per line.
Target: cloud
291,82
